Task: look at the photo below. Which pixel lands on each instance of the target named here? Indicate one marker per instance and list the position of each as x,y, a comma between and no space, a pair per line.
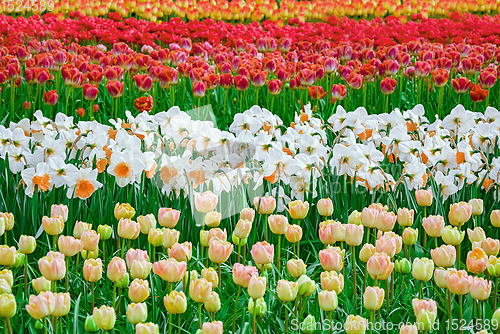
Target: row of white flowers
185,152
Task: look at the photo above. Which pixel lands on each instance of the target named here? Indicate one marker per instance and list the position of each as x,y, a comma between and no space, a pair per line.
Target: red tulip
354,80
388,85
477,93
90,92
226,80
258,78
316,92
144,103
143,82
50,97
115,88
199,89
339,92
240,83
460,85
440,77
113,73
274,86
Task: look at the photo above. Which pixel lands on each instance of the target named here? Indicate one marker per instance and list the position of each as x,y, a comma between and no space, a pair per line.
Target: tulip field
210,167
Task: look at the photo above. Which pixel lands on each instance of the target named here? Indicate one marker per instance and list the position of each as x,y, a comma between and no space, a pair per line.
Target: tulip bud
325,207
27,244
257,287
423,269
424,197
259,307
80,228
247,214
373,298
62,304
331,281
328,300
90,325
117,269
53,225
296,267
212,305
175,302
306,286
8,306
402,266
265,205
477,206
452,236
104,317
104,232
90,240
155,237
308,326
242,229
137,313
287,291
278,224
210,275
18,260
355,218
410,236
41,284
200,290
212,219
298,209
124,210
366,252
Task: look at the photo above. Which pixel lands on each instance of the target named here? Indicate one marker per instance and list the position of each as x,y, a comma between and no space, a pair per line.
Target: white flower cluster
185,153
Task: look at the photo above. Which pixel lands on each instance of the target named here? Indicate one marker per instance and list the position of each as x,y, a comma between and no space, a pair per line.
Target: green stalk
12,96
420,289
286,320
199,315
66,279
461,312
254,316
236,308
170,323
372,315
353,248
92,288
279,251
8,328
440,101
449,310
495,294
26,277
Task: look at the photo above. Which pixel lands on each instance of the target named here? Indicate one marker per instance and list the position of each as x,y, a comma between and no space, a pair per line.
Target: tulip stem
239,254
372,316
92,288
54,242
170,323
420,289
286,319
179,324
67,274
12,95
265,224
387,293
368,235
461,314
365,276
26,277
495,294
435,242
123,246
449,311
199,315
114,295
254,316
279,252
219,272
353,257
236,307
330,317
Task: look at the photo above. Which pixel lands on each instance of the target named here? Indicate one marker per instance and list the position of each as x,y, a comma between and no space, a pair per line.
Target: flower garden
249,166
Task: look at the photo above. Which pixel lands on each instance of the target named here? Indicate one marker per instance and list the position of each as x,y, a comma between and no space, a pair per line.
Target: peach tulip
460,213
262,253
405,217
170,270
355,324
296,267
210,275
205,202
27,244
135,255
59,210
477,206
53,225
147,222
287,291
278,224
366,252
331,281
424,197
476,261
124,210
140,269
385,221
80,228
137,313
480,289
128,229
369,217
7,255
380,266
90,240
138,290
247,214
293,233
265,205
326,232
440,278
41,306
331,259
92,270
458,281
68,245
200,290
52,266
325,207
423,268
242,274
117,268
257,287
373,298
328,300
476,235
495,218
175,302
62,304
168,217
433,225
298,209
444,256
170,237
243,228
219,251
181,252
215,327
104,317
